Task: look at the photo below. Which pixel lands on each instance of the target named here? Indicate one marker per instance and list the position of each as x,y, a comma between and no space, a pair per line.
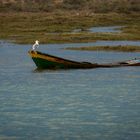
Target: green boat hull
45,64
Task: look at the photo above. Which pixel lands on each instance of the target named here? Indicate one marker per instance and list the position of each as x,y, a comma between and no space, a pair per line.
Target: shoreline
118,48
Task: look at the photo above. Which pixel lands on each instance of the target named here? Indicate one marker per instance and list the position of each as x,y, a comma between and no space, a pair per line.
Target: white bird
36,45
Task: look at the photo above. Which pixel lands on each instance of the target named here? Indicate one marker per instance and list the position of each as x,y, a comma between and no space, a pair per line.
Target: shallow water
68,104
108,29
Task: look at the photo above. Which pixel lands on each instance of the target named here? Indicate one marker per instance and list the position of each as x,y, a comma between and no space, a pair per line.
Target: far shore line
107,48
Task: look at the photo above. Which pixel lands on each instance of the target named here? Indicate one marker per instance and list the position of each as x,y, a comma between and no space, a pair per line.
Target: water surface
107,29
67,104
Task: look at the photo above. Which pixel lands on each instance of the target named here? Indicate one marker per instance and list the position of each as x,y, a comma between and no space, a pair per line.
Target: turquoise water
92,104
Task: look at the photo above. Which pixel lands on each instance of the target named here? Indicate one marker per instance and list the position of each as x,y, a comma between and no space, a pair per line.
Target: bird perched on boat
36,45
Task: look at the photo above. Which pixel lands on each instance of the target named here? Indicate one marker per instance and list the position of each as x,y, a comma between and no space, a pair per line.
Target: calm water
108,29
92,104
111,29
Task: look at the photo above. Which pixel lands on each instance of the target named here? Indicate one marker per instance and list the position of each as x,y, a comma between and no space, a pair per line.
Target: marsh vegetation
108,48
25,27
53,21
89,6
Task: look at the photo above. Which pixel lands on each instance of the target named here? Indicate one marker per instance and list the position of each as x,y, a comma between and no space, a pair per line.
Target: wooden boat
46,61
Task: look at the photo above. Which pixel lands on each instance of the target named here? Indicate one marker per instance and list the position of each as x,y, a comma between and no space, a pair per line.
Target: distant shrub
97,6
74,4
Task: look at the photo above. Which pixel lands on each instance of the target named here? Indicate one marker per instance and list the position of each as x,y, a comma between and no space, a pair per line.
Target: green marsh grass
108,48
26,27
